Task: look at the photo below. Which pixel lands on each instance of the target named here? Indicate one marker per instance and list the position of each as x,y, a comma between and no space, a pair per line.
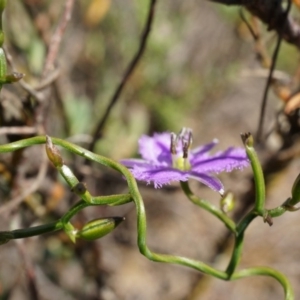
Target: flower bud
247,139
53,153
98,228
227,202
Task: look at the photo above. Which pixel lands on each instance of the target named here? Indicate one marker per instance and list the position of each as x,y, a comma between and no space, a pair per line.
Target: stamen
173,143
182,133
184,139
185,149
190,138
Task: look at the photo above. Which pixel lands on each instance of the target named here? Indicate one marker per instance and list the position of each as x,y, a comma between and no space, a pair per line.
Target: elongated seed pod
98,228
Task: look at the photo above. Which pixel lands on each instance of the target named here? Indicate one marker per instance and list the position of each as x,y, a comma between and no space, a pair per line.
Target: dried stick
38,96
133,63
259,133
55,43
17,130
29,269
57,37
35,92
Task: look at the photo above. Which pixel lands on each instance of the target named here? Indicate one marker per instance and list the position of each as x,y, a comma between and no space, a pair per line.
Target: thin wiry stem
57,37
259,133
243,17
134,194
28,266
132,65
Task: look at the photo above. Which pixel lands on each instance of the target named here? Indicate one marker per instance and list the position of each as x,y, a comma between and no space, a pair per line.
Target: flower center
180,146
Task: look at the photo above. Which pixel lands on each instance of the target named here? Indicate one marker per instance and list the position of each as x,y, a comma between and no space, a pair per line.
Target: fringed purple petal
232,158
132,162
156,149
208,180
158,176
156,166
198,152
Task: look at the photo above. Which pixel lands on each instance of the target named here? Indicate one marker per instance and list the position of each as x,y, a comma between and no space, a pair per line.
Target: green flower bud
227,202
53,153
247,139
98,228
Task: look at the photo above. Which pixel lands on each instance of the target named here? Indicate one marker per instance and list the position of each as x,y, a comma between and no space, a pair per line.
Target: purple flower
167,157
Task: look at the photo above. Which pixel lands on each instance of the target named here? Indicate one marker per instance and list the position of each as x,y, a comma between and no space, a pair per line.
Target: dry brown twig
49,74
51,58
35,92
29,269
19,130
286,89
284,86
57,38
260,47
277,18
129,70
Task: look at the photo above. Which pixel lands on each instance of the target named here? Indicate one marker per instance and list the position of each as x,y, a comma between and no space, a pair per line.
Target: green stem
276,212
244,223
236,254
134,193
266,271
73,211
260,193
5,236
103,200
141,215
84,194
259,204
208,207
239,242
36,230
111,200
183,261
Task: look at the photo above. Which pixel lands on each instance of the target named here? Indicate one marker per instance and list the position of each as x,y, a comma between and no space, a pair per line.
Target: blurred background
202,69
